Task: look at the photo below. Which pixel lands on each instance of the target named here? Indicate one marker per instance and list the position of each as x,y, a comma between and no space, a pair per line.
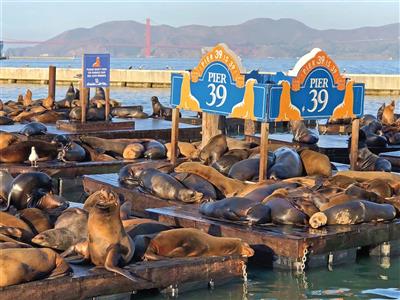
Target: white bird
33,157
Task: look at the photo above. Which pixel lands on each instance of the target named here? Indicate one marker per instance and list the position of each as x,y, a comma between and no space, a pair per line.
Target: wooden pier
284,246
172,276
334,146
140,200
144,128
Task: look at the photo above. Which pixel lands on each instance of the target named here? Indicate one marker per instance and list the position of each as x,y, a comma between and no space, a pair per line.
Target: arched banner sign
315,90
217,85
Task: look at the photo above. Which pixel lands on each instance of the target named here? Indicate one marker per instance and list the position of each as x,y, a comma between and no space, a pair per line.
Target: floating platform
334,146
144,128
394,158
140,200
93,126
283,246
172,276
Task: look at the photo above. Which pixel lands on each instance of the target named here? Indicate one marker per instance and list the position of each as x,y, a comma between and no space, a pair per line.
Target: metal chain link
304,260
245,286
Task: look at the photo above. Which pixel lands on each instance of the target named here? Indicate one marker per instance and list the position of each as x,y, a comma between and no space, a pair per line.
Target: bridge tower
147,52
1,48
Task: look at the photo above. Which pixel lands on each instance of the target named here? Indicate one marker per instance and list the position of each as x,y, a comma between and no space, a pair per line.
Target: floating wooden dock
394,158
283,246
140,200
334,146
144,128
172,275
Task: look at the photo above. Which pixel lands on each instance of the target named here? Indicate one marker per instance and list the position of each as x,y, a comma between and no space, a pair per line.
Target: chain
244,275
304,260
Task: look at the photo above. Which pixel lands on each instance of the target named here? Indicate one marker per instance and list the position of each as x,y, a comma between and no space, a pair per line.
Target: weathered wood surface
60,169
283,240
334,146
140,200
144,128
85,284
394,158
94,126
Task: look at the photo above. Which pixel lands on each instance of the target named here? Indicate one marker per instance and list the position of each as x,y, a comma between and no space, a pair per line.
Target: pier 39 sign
217,86
315,89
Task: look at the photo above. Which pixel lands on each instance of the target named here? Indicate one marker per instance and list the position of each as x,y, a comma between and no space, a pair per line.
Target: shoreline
375,84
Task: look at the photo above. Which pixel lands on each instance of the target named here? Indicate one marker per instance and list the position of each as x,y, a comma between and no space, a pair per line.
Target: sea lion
188,242
28,264
13,245
48,103
248,169
234,143
392,133
133,151
69,229
159,110
167,187
36,219
108,244
6,139
188,150
49,117
390,178
5,184
19,152
353,212
262,192
129,112
4,120
337,199
154,150
237,209
33,128
98,95
231,157
129,175
27,189
110,145
169,153
228,186
96,155
368,161
284,212
92,114
380,187
316,163
52,204
27,100
302,134
287,164
388,114
24,231
214,149
74,152
197,183
372,138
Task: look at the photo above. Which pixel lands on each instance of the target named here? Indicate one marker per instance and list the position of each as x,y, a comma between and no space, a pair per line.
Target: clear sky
40,20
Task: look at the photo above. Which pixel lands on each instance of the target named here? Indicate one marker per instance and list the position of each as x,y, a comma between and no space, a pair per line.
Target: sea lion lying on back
28,264
188,242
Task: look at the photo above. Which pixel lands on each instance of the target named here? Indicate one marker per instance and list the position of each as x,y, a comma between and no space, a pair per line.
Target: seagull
33,157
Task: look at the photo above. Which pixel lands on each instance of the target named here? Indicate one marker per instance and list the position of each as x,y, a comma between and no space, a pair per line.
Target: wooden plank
174,135
355,127
209,127
140,200
287,241
94,126
263,152
151,275
107,109
52,82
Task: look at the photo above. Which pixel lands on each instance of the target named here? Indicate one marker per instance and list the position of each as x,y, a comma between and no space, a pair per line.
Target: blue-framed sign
317,91
96,70
217,85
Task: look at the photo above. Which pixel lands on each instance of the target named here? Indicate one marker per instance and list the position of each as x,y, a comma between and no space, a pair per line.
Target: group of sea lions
48,110
40,236
16,148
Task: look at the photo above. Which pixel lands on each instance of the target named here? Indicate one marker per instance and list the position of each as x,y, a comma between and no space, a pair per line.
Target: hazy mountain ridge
257,38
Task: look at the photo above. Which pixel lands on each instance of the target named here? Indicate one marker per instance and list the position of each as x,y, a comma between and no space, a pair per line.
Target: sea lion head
51,201
61,139
246,250
54,238
107,202
190,196
154,100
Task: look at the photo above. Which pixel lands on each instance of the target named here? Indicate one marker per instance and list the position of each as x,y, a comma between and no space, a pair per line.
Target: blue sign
96,70
217,86
317,92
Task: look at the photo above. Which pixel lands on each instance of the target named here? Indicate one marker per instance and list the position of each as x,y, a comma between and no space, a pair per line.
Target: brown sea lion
108,244
96,155
262,192
159,110
24,265
341,181
69,229
214,149
188,242
36,219
49,117
302,134
167,187
110,145
169,154
380,187
20,151
337,199
6,139
23,116
316,163
13,245
353,212
388,114
48,103
4,120
27,100
390,178
228,186
133,151
92,114
8,220
284,212
234,143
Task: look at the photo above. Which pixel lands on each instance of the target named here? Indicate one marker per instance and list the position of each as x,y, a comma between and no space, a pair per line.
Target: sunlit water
367,279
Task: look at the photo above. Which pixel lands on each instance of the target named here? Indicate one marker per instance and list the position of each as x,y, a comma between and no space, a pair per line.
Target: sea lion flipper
62,268
111,263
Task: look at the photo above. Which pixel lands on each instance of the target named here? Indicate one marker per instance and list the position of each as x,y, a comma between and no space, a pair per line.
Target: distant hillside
258,38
